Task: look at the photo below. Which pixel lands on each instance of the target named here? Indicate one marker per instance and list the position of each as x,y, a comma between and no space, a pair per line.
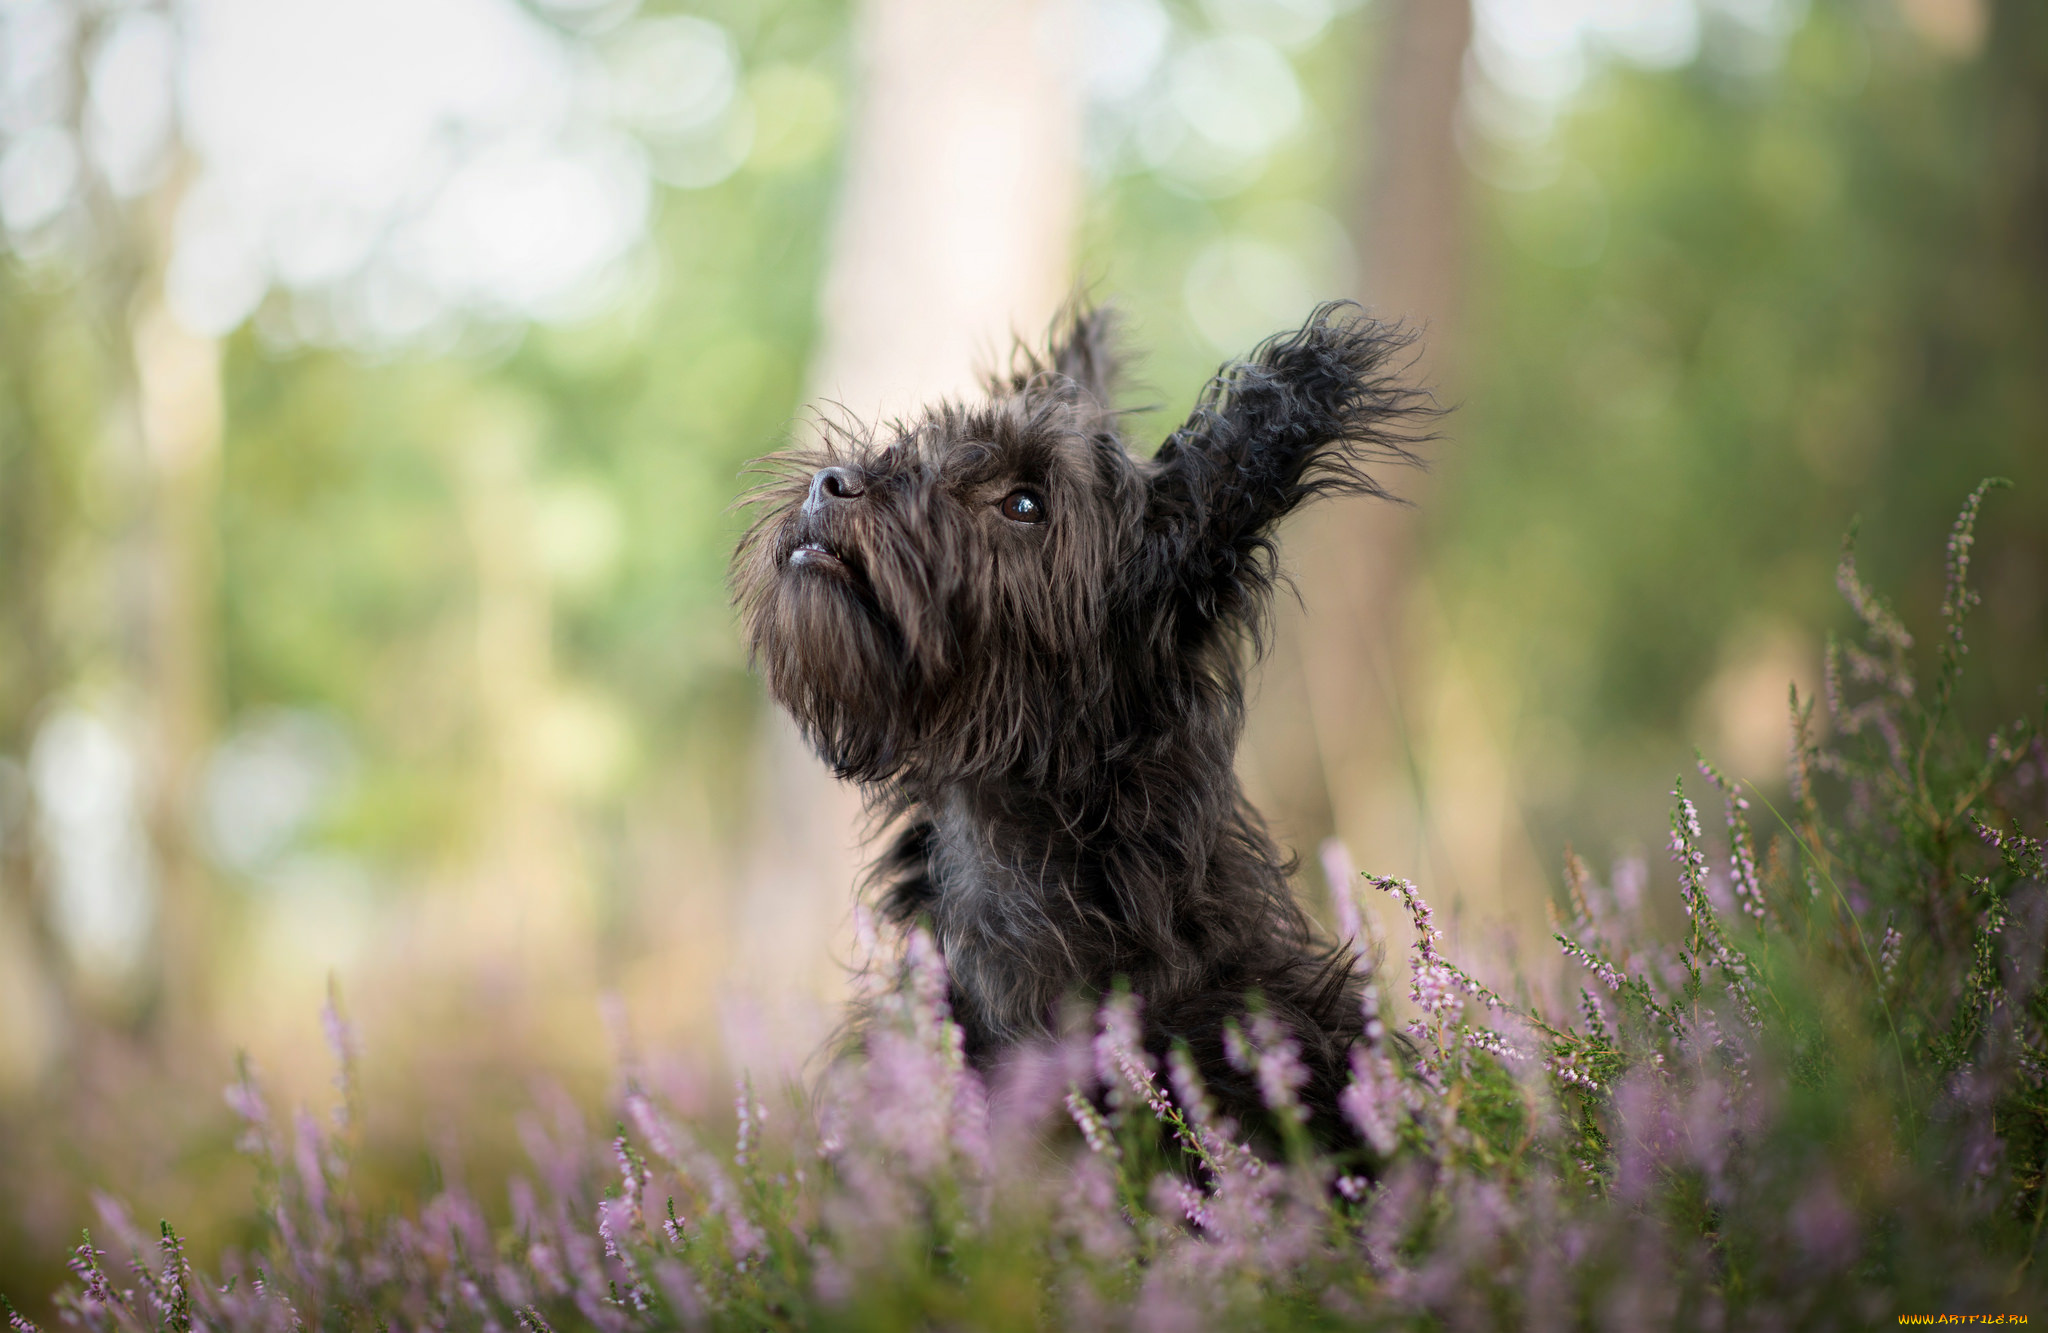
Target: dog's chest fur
1008,911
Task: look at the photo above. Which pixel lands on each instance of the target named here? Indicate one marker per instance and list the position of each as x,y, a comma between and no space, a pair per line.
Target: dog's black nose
833,483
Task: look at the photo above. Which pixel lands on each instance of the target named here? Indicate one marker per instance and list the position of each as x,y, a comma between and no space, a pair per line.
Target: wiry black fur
1049,711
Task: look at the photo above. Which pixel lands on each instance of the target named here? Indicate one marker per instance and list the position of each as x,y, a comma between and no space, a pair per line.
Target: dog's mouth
815,553
820,557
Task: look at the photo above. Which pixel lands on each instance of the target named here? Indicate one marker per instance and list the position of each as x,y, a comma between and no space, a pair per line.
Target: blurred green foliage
348,505
1723,313
50,380
1717,314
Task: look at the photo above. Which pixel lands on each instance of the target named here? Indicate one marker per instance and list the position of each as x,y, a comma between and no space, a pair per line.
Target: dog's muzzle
833,490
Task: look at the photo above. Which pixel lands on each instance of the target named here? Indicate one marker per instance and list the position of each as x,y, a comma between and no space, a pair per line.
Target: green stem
1870,961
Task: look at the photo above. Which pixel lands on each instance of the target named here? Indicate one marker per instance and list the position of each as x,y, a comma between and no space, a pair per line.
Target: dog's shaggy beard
836,631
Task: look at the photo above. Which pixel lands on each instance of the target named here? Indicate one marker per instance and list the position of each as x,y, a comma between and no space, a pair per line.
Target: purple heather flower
85,1263
113,1215
1092,1126
909,1103
1609,975
2025,854
309,1156
1162,1309
1120,1060
1493,1043
1171,1195
169,1294
1026,1089
654,1129
1372,1029
971,1134
1743,876
1709,944
1342,875
633,1179
1237,1050
341,1043
617,1219
1692,862
1435,984
1565,1068
246,1101
1372,1100
829,1279
1647,1142
1957,595
1631,877
1089,1212
1869,608
1213,1134
508,1286
674,1146
1426,933
1433,988
1190,1092
751,1117
1594,1011
1279,1069
925,975
1824,1225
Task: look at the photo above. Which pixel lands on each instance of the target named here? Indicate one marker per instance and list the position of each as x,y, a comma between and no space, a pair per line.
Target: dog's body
1027,645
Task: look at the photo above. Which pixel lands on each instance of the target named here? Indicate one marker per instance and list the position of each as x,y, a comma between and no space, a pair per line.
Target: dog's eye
1024,507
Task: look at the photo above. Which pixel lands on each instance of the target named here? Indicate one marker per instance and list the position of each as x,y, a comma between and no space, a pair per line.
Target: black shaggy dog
1027,644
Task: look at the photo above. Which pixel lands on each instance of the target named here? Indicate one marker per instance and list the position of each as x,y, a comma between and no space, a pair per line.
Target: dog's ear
1083,348
1081,360
1303,416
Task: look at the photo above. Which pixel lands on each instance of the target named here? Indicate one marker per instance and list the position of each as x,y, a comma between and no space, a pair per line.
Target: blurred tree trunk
38,520
178,407
525,919
161,430
961,196
1335,734
1389,742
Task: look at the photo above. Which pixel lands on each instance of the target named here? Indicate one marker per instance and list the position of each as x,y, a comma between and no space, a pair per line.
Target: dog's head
1004,591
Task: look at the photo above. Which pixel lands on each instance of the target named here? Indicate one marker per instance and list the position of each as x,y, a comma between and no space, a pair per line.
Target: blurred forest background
376,380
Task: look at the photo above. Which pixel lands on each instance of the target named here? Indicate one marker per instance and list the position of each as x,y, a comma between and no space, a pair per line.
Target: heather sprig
1957,596
93,1284
2024,857
170,1294
1436,985
1132,1084
1743,874
1707,944
1376,1100
1880,622
1095,1130
17,1322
